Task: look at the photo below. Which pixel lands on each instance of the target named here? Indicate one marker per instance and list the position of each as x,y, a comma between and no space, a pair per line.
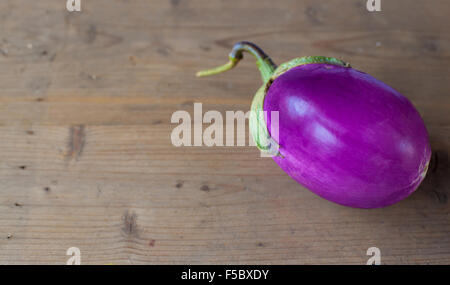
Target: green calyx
307,60
257,123
269,72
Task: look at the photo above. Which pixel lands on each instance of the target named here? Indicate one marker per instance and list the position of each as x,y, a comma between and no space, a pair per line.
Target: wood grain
85,154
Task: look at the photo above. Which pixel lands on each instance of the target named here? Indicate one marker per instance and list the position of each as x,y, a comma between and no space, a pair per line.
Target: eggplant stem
227,66
263,61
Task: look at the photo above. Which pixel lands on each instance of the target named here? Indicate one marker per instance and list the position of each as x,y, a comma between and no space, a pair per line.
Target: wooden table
86,159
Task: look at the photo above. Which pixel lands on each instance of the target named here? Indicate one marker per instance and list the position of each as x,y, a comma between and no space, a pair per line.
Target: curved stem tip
265,64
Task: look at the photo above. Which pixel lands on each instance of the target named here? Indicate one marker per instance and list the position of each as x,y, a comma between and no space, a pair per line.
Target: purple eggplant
341,133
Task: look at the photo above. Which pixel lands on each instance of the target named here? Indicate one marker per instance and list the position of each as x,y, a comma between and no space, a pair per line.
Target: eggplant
341,133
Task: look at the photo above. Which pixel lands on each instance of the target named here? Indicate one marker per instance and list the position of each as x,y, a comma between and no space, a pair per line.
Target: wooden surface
85,153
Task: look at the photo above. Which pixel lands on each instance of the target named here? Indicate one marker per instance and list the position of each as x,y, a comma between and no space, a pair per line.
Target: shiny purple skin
347,136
